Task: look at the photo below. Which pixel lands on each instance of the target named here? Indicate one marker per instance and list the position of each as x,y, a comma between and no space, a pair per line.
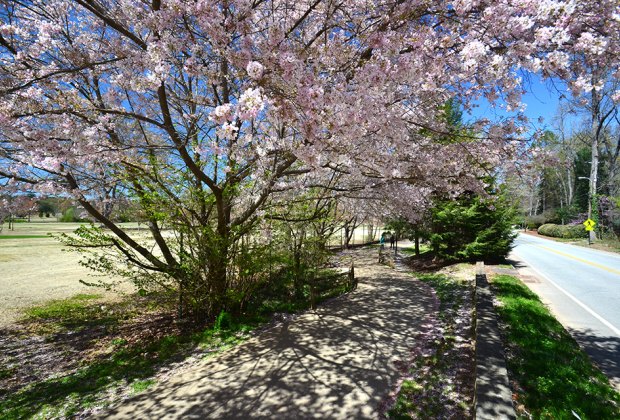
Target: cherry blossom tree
15,206
205,111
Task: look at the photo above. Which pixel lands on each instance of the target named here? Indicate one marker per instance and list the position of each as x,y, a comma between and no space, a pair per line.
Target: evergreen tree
470,228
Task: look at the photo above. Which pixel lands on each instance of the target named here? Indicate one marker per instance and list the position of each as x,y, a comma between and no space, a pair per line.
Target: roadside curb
493,396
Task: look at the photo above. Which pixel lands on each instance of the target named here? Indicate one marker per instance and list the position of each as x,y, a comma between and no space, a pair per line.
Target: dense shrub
69,216
535,221
470,228
562,231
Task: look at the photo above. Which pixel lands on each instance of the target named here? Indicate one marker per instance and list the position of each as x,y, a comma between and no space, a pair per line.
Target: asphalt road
582,288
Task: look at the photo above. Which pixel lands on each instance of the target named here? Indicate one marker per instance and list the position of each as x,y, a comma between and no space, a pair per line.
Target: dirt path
340,361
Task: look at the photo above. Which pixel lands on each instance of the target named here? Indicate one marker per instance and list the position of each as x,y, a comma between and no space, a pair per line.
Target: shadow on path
605,351
338,361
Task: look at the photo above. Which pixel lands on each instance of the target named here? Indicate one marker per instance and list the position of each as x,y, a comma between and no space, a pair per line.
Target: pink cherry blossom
222,113
255,70
251,102
281,93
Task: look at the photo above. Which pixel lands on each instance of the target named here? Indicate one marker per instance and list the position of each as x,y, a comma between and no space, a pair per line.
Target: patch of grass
411,250
432,393
74,313
65,396
119,342
73,307
610,245
509,266
554,375
229,333
141,385
128,366
84,311
405,406
444,286
6,372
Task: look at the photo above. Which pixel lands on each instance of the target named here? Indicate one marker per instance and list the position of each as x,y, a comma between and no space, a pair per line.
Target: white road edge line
573,298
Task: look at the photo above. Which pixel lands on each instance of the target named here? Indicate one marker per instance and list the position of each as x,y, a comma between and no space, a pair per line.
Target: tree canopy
213,115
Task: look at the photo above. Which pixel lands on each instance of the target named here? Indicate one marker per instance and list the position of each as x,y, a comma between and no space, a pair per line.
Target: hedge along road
339,361
582,287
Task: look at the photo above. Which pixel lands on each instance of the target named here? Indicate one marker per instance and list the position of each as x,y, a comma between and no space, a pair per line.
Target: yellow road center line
602,267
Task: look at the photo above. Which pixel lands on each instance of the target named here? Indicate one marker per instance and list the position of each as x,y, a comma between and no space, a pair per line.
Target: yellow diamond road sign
589,224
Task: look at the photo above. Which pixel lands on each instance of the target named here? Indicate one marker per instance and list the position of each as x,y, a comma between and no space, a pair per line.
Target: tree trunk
348,234
297,267
596,132
570,182
218,260
217,299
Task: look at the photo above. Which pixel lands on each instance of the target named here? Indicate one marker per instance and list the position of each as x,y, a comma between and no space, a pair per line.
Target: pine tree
470,228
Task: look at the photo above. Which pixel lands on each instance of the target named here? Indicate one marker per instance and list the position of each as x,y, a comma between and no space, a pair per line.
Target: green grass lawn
75,308
554,376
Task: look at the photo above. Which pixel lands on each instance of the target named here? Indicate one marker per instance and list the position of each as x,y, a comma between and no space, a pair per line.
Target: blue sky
542,99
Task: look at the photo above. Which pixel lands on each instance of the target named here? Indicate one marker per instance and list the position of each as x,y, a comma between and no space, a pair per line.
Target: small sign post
589,224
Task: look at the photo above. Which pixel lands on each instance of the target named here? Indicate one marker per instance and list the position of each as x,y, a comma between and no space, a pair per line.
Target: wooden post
352,284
